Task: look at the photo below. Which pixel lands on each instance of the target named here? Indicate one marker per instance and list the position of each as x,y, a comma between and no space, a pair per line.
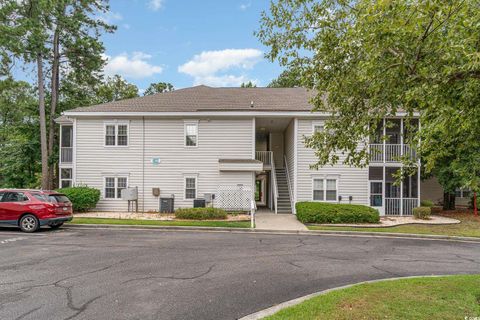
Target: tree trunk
43,122
448,201
53,103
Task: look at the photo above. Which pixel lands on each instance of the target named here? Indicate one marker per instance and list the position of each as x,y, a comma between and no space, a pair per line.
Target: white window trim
116,123
115,177
62,179
185,124
325,178
194,176
317,124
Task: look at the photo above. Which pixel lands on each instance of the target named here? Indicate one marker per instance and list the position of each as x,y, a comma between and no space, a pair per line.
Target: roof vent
251,104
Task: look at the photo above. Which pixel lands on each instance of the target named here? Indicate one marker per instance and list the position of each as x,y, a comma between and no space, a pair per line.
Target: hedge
322,212
422,213
201,214
426,203
83,198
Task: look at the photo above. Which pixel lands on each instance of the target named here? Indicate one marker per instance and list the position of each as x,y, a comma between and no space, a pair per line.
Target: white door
376,196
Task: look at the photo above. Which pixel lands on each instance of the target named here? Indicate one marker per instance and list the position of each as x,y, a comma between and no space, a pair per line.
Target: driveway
152,274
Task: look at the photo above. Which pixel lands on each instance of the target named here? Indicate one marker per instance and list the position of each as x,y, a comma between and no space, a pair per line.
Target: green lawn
225,224
468,227
452,297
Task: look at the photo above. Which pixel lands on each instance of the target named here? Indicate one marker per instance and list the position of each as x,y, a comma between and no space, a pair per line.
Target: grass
469,226
452,297
182,223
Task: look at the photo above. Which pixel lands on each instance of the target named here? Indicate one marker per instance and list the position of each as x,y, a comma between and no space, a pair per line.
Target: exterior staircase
283,202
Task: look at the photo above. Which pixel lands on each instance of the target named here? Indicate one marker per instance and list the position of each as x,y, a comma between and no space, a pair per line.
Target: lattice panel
234,198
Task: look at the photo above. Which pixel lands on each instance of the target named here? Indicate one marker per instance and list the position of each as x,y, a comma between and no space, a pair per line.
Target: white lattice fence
234,198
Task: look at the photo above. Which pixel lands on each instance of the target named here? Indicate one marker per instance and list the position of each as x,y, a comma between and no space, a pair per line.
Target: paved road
136,274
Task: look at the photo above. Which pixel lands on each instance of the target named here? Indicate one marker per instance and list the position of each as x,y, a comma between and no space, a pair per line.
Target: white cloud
134,66
206,66
245,6
155,4
111,17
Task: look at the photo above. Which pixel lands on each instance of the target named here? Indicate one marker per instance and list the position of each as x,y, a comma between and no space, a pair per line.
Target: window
1,196
122,135
116,135
191,134
317,128
462,193
114,187
190,188
14,197
40,197
324,189
318,190
110,135
66,180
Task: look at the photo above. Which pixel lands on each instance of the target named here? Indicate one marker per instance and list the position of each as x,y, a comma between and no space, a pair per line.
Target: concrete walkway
272,221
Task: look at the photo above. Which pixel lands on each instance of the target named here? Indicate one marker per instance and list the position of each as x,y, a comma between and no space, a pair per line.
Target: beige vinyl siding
351,181
290,154
164,139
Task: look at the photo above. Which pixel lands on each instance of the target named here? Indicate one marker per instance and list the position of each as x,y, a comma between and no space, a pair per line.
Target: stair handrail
290,190
274,182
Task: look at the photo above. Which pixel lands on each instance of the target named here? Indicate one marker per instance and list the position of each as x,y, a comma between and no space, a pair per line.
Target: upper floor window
191,134
116,134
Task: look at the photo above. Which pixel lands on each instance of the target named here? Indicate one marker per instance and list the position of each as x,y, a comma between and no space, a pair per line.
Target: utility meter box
130,194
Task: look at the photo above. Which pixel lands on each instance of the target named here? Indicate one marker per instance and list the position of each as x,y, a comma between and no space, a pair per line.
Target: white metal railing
265,156
253,209
376,152
274,183
390,152
66,154
290,189
399,206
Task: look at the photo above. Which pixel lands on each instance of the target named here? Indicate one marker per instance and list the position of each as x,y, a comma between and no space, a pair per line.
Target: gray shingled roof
203,98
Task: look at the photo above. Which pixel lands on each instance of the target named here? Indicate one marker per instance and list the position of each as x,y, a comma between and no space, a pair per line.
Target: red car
31,209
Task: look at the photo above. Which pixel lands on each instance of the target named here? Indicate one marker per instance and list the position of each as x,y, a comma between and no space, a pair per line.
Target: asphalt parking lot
77,273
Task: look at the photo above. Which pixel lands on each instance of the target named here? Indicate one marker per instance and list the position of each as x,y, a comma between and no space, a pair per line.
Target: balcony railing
380,152
400,207
66,154
264,156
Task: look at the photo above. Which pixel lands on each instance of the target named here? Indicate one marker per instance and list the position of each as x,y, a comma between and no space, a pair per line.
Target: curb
290,303
279,232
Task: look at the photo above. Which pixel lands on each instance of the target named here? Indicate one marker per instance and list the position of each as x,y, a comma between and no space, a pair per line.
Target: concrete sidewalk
272,221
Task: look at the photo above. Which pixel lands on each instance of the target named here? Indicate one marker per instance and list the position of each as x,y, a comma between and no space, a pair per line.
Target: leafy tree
115,88
55,38
248,84
19,135
289,78
368,60
158,87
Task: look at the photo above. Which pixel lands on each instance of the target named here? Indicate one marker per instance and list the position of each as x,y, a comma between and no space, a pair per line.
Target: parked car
31,209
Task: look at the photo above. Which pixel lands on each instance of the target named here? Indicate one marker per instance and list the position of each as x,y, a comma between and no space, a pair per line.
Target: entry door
260,194
376,196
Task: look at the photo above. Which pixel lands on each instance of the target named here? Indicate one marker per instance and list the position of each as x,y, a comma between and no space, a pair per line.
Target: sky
187,42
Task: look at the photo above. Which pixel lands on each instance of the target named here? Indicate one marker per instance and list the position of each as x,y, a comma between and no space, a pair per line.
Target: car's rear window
40,197
58,198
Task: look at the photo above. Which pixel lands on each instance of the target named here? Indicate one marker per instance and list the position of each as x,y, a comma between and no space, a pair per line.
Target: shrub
201,214
426,203
83,198
422,213
321,212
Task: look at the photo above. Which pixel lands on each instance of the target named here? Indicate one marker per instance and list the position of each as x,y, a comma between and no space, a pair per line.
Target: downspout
143,164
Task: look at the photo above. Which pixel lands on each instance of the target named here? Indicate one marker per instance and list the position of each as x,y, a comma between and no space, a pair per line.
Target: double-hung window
66,177
116,134
191,134
462,193
114,186
325,189
190,187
